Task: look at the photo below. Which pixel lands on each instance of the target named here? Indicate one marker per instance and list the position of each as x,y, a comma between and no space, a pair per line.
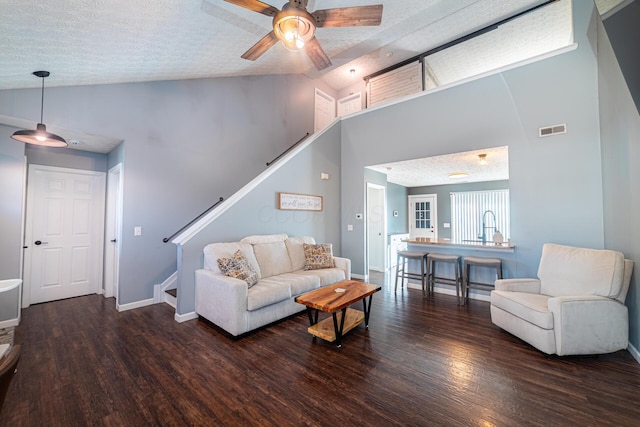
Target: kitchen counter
475,246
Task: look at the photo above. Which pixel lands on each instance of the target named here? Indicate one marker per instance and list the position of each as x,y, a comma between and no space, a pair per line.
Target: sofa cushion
318,256
566,270
267,292
273,258
214,251
264,238
327,276
299,283
296,250
530,307
238,267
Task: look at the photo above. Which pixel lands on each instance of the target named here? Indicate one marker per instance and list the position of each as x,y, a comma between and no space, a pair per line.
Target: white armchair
575,307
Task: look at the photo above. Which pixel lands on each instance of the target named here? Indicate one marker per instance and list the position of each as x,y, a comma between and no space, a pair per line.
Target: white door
325,110
113,232
376,227
64,233
349,104
423,219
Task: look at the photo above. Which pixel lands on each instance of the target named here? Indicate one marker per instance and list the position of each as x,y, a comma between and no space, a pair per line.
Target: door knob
38,243
113,241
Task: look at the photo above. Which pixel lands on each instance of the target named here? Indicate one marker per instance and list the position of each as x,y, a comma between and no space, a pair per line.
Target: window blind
394,84
468,209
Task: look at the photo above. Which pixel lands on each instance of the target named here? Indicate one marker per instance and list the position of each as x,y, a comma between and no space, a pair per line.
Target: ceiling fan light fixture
40,136
293,28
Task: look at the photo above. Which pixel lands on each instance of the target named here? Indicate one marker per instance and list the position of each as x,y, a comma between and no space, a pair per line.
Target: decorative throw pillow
318,256
239,267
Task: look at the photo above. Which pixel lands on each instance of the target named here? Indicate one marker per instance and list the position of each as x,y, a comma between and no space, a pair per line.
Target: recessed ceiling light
458,175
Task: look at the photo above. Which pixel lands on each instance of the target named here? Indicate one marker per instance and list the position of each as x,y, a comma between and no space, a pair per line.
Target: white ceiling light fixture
40,136
483,159
457,175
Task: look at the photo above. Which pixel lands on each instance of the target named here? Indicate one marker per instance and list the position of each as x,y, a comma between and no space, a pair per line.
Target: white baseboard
184,317
9,323
133,305
634,352
360,276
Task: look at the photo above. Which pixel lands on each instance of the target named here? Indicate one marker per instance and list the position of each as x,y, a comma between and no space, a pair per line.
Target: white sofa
576,306
279,260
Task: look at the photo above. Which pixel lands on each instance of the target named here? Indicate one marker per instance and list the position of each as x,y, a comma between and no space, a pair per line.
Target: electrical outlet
349,227
137,231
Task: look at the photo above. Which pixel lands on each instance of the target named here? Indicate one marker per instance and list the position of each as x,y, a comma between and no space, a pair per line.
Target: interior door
376,227
113,232
64,233
349,104
325,110
423,216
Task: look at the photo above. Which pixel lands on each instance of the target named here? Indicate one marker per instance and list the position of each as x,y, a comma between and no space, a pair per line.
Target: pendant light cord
42,101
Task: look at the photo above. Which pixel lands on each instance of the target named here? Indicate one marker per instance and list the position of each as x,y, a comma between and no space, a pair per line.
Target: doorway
64,233
376,227
423,219
325,111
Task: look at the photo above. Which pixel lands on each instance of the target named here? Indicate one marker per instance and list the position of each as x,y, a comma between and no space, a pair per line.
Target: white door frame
28,238
113,231
318,121
382,218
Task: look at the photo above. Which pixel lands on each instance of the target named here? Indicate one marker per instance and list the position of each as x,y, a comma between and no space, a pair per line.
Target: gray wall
444,200
12,172
256,213
555,183
186,144
397,201
620,135
624,33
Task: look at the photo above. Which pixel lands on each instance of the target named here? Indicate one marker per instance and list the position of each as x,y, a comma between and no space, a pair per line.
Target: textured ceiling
98,41
435,170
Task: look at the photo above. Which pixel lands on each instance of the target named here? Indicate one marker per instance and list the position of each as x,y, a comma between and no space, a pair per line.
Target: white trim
615,9
184,317
192,231
134,305
451,291
364,277
159,290
376,187
113,213
634,352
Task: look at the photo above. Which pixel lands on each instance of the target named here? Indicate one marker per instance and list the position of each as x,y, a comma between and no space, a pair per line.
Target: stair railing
166,239
288,149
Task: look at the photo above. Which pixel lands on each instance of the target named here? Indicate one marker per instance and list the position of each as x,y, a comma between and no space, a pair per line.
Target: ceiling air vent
552,130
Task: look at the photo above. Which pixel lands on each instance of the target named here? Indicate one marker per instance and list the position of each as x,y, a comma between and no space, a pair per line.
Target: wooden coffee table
331,299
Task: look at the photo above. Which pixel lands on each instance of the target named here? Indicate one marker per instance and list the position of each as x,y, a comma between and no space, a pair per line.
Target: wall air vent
552,130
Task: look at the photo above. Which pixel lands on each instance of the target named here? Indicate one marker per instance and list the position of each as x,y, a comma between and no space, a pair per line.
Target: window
470,210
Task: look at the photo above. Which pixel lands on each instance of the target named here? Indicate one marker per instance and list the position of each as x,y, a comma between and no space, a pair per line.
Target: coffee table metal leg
312,319
338,330
367,310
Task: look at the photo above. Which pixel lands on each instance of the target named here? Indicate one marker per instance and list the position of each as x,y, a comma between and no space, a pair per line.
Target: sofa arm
345,265
530,286
589,324
222,300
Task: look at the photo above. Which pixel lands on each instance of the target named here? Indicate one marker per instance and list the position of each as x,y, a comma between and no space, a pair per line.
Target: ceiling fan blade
261,47
256,6
317,54
349,16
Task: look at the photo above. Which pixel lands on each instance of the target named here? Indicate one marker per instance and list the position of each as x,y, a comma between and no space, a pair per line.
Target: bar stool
479,262
402,268
432,260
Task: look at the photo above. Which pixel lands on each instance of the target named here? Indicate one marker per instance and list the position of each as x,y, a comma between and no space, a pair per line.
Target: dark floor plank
421,362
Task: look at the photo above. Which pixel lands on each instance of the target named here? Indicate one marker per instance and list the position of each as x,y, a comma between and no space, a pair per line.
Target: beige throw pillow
318,256
239,267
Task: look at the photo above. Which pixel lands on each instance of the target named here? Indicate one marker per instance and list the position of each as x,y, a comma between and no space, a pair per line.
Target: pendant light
40,136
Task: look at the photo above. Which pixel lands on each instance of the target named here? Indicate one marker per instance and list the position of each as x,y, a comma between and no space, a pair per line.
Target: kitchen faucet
485,227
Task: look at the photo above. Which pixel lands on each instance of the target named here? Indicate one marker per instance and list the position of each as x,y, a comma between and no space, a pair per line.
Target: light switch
349,227
447,225
324,175
137,231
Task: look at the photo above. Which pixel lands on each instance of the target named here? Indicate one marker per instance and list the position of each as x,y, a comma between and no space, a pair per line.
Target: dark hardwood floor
422,362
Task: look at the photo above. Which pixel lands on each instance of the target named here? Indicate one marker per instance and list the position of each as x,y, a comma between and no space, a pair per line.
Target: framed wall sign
299,202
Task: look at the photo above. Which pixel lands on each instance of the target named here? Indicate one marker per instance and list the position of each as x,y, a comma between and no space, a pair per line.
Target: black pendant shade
40,136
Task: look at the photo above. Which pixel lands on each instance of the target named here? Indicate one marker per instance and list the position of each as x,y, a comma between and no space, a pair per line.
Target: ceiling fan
295,27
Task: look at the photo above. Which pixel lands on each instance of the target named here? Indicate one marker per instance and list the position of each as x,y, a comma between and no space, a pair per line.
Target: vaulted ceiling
84,42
